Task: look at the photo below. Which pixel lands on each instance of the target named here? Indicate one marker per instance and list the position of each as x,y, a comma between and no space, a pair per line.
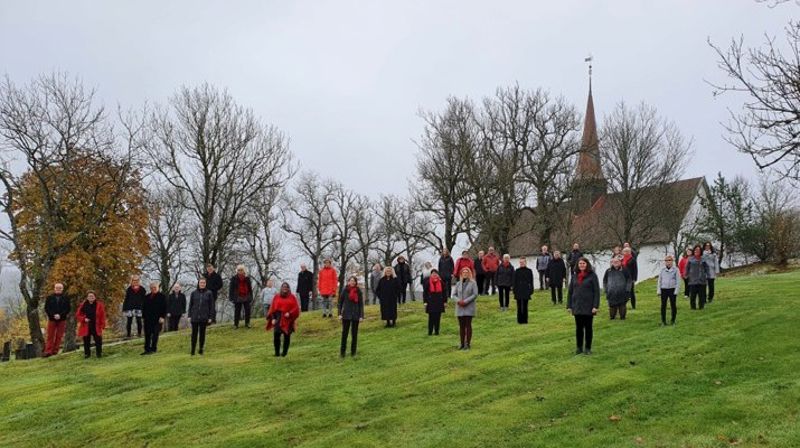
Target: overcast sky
345,79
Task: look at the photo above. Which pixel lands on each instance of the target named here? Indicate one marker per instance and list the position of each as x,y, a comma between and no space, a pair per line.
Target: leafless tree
388,244
365,227
413,229
168,232
343,208
264,235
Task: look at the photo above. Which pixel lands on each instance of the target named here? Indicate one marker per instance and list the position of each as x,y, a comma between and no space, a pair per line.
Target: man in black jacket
305,286
480,274
403,272
154,310
240,292
446,268
214,284
523,290
57,308
573,258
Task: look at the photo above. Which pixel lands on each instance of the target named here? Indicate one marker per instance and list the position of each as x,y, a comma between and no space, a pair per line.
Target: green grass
729,375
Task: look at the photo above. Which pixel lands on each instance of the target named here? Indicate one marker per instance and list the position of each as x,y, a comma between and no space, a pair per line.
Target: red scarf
626,258
581,276
352,293
435,284
244,287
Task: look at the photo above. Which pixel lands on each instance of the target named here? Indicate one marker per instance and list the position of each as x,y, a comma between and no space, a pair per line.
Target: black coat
305,284
478,266
633,268
581,298
573,258
133,300
523,283
617,286
403,273
434,301
154,307
557,271
505,275
446,267
176,304
57,305
388,291
233,290
213,282
201,306
349,310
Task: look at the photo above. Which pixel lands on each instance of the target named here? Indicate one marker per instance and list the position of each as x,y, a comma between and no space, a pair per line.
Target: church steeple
589,183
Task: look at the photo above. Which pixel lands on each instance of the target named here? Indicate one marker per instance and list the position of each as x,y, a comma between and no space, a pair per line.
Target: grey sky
345,79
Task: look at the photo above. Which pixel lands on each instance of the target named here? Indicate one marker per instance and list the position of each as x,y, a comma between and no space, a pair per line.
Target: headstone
31,350
6,352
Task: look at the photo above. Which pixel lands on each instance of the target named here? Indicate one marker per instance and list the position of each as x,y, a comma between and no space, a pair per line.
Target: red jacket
491,262
682,266
284,305
464,263
99,320
328,279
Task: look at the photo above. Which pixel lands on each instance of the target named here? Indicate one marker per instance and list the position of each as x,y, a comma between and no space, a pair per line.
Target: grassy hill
726,376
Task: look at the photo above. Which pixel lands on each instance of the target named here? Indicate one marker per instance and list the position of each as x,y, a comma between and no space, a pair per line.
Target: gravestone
6,352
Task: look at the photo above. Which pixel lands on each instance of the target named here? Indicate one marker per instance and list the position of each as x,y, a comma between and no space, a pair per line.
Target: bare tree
388,243
365,228
264,234
168,235
642,153
413,229
343,209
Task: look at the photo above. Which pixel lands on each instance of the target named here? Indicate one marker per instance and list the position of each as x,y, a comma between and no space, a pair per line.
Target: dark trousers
237,313
349,326
480,279
173,322
583,331
447,285
543,280
686,287
138,326
710,295
199,329
98,342
276,340
465,329
303,302
668,294
151,330
402,297
557,290
522,310
489,282
504,296
434,322
622,310
633,295
695,292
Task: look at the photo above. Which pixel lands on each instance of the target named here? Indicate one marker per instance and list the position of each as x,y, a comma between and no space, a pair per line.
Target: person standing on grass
240,292
687,254
327,282
583,300
710,257
351,313
557,277
201,313
480,274
282,318
617,285
491,261
57,308
268,292
434,302
668,287
388,290
573,258
630,265
214,284
374,278
696,277
403,272
132,305
523,290
542,261
465,262
176,307
505,280
154,310
305,287
465,294
446,267
424,279
91,317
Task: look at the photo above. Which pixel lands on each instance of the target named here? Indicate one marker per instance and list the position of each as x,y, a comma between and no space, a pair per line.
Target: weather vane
588,60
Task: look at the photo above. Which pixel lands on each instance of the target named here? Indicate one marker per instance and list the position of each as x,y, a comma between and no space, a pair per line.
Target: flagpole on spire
589,59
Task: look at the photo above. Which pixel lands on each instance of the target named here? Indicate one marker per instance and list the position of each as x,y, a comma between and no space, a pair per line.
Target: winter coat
176,304
523,283
557,271
582,297
327,281
267,293
682,265
713,264
573,258
464,263
633,268
505,275
617,284
424,281
213,282
305,284
57,304
434,301
133,299
446,267
99,319
403,272
478,263
668,279
154,307
468,292
374,278
233,290
697,271
388,291
201,306
490,263
280,306
542,261
349,310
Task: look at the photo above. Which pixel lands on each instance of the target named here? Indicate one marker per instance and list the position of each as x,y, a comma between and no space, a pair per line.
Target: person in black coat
305,287
403,272
434,302
446,268
201,313
583,300
240,292
214,284
351,313
480,273
132,305
154,310
388,290
556,277
57,308
176,307
630,265
523,289
573,258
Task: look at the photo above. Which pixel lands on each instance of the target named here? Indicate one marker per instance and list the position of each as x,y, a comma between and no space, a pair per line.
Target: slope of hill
722,377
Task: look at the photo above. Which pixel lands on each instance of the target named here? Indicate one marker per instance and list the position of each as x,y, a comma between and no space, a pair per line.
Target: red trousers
55,334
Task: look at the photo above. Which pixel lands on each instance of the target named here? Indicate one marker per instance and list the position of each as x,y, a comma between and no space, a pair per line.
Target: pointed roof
589,159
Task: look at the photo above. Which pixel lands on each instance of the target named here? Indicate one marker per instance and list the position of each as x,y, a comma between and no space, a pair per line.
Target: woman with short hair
583,300
351,313
282,318
388,290
240,292
504,281
465,293
91,318
434,302
201,313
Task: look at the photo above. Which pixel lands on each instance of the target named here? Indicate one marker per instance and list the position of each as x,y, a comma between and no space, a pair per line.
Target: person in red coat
282,318
465,262
91,318
682,269
327,284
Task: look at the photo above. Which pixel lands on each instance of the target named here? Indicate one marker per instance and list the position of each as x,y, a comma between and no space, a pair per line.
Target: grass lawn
725,376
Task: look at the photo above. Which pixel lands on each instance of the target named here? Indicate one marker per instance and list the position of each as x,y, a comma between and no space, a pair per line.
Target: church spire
589,184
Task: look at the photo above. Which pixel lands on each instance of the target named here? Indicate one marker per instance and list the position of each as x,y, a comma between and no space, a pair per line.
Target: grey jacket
696,271
468,292
713,264
374,278
201,306
669,279
542,261
617,284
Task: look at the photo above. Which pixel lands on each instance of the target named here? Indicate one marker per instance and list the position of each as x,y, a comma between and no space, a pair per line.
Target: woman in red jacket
682,269
282,318
91,318
327,283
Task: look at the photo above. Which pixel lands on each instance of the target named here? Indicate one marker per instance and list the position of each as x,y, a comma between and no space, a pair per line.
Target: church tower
589,184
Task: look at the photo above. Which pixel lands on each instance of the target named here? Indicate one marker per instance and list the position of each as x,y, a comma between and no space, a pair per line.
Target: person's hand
168,314
209,320
361,319
594,311
161,320
57,316
86,319
340,317
274,321
287,315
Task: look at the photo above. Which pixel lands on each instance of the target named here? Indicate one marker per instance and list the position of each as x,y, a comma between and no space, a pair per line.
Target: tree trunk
70,343
35,326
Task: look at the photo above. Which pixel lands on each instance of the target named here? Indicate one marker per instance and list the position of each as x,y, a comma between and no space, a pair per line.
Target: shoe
99,355
587,353
672,323
467,347
201,352
87,356
461,347
579,351
342,355
192,353
277,355
146,352
663,324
